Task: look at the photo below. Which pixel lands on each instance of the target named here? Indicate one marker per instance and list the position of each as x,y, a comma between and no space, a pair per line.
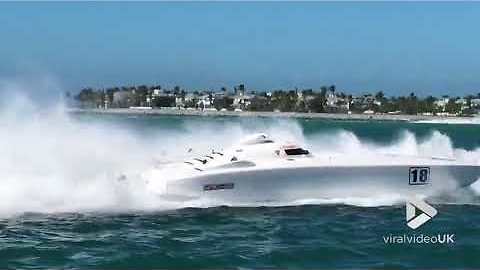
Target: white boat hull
290,184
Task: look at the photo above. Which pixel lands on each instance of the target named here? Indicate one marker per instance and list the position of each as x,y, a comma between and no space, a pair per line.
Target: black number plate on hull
419,175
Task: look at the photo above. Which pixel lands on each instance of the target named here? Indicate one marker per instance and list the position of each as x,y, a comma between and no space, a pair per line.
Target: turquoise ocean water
115,229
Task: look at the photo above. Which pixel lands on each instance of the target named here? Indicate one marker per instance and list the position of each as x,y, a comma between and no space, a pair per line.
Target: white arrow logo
427,212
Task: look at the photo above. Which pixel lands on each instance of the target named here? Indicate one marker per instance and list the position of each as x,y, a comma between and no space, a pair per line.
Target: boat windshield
296,151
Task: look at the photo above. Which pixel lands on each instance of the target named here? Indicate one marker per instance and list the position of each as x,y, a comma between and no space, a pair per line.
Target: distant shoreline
332,116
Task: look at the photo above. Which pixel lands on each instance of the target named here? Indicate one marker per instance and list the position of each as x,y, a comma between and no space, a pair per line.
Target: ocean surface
62,205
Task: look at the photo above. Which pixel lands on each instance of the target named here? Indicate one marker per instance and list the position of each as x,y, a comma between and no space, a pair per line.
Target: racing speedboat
259,169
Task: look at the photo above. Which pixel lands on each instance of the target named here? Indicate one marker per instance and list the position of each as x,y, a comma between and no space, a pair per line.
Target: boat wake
52,162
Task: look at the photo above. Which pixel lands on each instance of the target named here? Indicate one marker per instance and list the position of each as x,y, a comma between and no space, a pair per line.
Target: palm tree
332,88
380,95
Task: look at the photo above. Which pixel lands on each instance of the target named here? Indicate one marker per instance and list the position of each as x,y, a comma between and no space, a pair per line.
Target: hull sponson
282,184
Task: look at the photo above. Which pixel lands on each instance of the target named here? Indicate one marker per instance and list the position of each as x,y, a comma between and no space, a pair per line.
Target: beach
333,116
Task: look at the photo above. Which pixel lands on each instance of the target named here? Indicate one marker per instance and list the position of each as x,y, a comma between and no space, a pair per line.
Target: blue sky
429,48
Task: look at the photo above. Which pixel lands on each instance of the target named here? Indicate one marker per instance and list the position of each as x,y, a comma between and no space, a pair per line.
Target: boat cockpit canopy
260,138
296,152
292,150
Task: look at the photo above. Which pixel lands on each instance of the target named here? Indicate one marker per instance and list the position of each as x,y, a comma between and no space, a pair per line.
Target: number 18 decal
419,175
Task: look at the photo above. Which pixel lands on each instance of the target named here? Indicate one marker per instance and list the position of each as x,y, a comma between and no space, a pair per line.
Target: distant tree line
325,99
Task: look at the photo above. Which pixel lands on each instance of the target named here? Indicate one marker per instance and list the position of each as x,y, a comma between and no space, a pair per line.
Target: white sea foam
51,162
452,121
436,145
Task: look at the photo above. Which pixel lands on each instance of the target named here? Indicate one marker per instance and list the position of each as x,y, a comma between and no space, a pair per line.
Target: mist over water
53,162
